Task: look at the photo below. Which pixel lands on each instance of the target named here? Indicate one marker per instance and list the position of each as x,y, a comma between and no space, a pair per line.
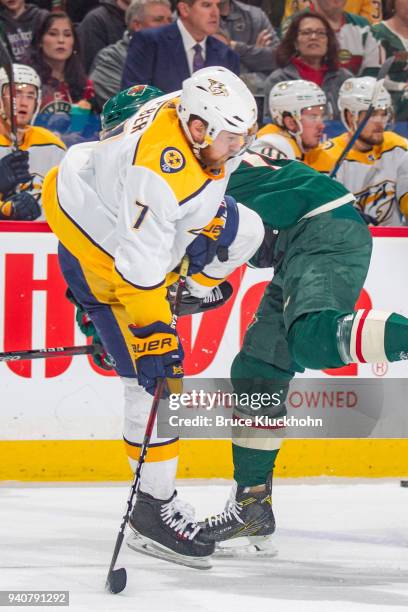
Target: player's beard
212,161
372,141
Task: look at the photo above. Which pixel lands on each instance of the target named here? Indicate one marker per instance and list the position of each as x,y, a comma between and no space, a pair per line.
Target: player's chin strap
298,134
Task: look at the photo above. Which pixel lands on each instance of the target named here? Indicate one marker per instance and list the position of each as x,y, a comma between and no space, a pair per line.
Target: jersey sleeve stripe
346,199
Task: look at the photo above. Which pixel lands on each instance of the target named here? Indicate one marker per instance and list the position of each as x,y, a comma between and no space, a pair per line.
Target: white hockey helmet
23,75
292,97
356,95
218,97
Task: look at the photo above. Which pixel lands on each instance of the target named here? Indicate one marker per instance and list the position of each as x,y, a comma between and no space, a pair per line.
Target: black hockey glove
20,207
265,257
13,171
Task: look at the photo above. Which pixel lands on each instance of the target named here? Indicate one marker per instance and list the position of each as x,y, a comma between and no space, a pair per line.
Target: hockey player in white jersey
22,171
298,110
376,168
126,210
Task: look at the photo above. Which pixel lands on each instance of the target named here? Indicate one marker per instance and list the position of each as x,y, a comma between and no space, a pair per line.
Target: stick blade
116,581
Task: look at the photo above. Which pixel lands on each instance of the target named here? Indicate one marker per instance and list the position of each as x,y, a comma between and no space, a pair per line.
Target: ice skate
245,526
190,304
166,529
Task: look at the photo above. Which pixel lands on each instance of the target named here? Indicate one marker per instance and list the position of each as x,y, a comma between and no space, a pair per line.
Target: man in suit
165,57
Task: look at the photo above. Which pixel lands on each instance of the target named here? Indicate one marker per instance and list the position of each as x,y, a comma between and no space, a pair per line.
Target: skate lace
213,296
231,511
179,516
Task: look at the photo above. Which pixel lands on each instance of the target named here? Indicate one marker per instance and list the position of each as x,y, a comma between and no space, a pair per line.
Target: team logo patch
137,89
344,56
217,88
172,160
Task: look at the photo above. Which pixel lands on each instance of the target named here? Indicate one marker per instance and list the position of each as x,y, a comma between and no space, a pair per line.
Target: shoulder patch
172,160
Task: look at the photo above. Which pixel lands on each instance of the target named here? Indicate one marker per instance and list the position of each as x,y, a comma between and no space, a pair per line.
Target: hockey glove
102,359
13,171
159,354
20,207
265,257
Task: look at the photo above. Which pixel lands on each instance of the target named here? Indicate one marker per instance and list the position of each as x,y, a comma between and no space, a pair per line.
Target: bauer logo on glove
158,354
159,345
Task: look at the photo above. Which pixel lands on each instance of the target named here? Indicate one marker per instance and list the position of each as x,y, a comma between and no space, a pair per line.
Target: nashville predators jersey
371,9
45,151
141,196
276,143
378,178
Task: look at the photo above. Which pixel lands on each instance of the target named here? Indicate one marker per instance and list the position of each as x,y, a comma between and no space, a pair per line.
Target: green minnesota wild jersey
283,192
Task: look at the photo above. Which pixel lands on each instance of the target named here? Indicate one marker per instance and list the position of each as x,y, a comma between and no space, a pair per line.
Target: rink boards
61,419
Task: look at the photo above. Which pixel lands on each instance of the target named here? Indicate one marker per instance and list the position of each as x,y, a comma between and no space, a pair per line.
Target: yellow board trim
102,460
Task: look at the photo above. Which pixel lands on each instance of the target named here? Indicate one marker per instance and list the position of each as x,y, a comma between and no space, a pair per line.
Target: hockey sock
396,337
312,340
364,336
251,466
373,336
255,449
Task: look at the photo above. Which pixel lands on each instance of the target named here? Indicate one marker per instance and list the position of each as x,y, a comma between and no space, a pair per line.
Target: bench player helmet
23,75
292,97
356,95
220,99
125,104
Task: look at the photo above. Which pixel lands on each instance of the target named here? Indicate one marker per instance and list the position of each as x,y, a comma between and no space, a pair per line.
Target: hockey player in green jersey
306,318
320,249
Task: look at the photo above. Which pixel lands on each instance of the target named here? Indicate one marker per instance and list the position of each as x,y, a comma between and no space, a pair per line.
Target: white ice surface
342,546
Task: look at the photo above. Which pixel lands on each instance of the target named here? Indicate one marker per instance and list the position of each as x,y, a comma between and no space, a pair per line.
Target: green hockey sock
251,466
396,337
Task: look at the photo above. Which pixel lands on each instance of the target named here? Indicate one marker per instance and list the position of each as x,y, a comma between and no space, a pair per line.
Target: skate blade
149,547
247,546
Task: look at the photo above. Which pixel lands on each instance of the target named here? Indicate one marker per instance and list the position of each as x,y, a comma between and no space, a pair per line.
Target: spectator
253,38
272,8
359,51
370,9
109,63
166,56
67,94
102,26
393,34
19,23
309,51
77,9
56,5
22,171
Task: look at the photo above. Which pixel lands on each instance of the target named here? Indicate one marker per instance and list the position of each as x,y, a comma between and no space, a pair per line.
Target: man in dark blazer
165,56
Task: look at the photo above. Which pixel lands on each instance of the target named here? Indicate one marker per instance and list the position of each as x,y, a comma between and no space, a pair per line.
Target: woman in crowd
67,93
393,34
309,51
